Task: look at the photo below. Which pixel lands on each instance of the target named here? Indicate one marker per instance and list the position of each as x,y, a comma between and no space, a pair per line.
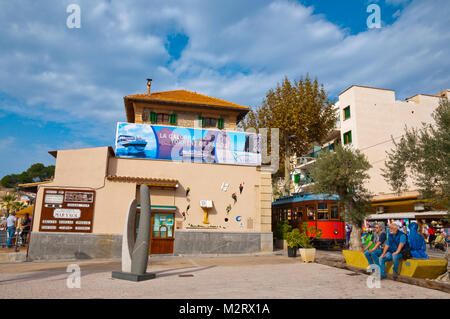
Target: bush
293,238
305,240
282,229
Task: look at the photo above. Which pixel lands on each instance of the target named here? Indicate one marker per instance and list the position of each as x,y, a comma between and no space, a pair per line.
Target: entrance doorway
162,234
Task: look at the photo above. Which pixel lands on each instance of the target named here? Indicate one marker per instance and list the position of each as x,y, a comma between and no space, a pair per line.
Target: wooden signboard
67,210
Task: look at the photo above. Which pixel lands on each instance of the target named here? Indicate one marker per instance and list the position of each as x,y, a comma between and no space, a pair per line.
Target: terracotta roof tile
184,96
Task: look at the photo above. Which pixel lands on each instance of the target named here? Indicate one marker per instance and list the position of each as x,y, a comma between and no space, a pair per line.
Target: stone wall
53,246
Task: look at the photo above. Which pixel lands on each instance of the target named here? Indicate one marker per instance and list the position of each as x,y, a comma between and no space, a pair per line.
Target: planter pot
292,252
281,244
308,254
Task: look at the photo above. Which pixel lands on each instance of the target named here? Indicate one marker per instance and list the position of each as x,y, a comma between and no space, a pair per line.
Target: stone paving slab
237,277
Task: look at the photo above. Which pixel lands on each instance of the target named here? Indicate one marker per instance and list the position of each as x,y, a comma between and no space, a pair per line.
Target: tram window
310,212
334,212
322,215
322,206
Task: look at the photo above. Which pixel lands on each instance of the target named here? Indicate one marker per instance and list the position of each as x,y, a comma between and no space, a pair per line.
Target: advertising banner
187,144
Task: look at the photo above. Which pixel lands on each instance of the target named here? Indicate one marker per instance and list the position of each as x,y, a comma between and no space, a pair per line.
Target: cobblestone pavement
259,277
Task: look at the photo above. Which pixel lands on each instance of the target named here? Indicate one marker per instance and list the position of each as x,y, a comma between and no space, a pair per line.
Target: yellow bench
416,268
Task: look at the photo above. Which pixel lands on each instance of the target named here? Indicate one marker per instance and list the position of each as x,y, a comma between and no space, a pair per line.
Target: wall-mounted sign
206,203
67,210
187,144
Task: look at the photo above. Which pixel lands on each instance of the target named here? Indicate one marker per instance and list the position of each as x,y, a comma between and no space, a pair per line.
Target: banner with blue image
187,144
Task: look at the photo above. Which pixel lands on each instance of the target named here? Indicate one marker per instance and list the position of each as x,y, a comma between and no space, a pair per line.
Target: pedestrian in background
11,223
431,235
348,231
417,243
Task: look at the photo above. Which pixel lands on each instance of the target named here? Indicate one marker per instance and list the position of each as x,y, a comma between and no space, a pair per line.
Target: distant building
368,120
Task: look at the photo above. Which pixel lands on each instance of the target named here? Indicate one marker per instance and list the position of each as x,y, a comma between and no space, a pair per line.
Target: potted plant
307,251
293,240
281,229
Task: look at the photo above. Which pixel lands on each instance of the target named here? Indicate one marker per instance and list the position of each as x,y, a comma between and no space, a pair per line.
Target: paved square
256,277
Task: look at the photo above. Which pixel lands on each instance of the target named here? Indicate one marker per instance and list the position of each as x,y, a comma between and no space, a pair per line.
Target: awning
155,182
407,215
27,210
160,208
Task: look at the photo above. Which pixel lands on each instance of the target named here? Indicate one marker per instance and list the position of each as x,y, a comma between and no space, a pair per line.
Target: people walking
378,241
417,243
11,223
392,250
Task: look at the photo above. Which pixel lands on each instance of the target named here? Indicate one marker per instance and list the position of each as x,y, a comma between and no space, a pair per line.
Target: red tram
318,211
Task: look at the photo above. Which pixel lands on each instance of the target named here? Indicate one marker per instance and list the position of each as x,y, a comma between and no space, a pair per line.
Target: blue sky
63,88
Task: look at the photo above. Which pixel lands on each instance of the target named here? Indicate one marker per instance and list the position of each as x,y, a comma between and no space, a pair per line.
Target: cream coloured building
368,119
81,213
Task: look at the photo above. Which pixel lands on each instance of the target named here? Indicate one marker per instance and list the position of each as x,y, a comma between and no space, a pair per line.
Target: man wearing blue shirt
392,250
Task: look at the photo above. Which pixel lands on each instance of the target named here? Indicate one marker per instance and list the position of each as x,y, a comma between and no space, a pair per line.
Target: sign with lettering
188,144
67,210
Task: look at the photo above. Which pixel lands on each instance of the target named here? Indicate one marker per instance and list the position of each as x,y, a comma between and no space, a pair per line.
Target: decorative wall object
187,191
228,209
224,187
234,196
241,188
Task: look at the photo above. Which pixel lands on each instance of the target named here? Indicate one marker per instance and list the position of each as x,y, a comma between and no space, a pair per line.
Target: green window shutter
348,138
296,178
153,117
173,119
347,112
220,123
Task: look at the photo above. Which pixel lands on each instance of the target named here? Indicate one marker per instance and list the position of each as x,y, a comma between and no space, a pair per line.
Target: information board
67,210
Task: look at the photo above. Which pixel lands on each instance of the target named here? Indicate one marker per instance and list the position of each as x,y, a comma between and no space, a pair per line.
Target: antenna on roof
149,84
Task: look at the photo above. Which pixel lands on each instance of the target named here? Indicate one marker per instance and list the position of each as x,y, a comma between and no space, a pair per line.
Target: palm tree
7,202
17,206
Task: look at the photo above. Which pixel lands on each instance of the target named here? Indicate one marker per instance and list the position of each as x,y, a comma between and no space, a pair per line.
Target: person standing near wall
11,222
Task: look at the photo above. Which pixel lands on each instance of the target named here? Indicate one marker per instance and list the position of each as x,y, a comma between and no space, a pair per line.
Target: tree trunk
355,238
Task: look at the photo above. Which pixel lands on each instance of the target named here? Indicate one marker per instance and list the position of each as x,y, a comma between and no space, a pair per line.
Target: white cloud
236,51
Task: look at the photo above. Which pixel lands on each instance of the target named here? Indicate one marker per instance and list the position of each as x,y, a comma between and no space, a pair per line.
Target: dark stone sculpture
135,251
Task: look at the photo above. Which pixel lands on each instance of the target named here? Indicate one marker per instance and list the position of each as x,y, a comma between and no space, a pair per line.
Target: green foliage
8,202
301,110
305,241
424,154
293,238
281,229
35,173
344,173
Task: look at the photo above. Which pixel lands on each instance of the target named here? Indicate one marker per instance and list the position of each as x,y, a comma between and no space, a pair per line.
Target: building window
148,116
334,212
348,138
310,212
208,121
347,113
162,118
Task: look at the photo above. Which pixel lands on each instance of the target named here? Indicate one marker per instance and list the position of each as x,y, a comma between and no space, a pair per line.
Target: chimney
149,84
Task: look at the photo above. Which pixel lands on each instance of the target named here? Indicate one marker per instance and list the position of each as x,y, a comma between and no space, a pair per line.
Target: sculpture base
132,277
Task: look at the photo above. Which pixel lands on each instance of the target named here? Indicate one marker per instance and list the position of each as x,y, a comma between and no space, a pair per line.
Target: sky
63,88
